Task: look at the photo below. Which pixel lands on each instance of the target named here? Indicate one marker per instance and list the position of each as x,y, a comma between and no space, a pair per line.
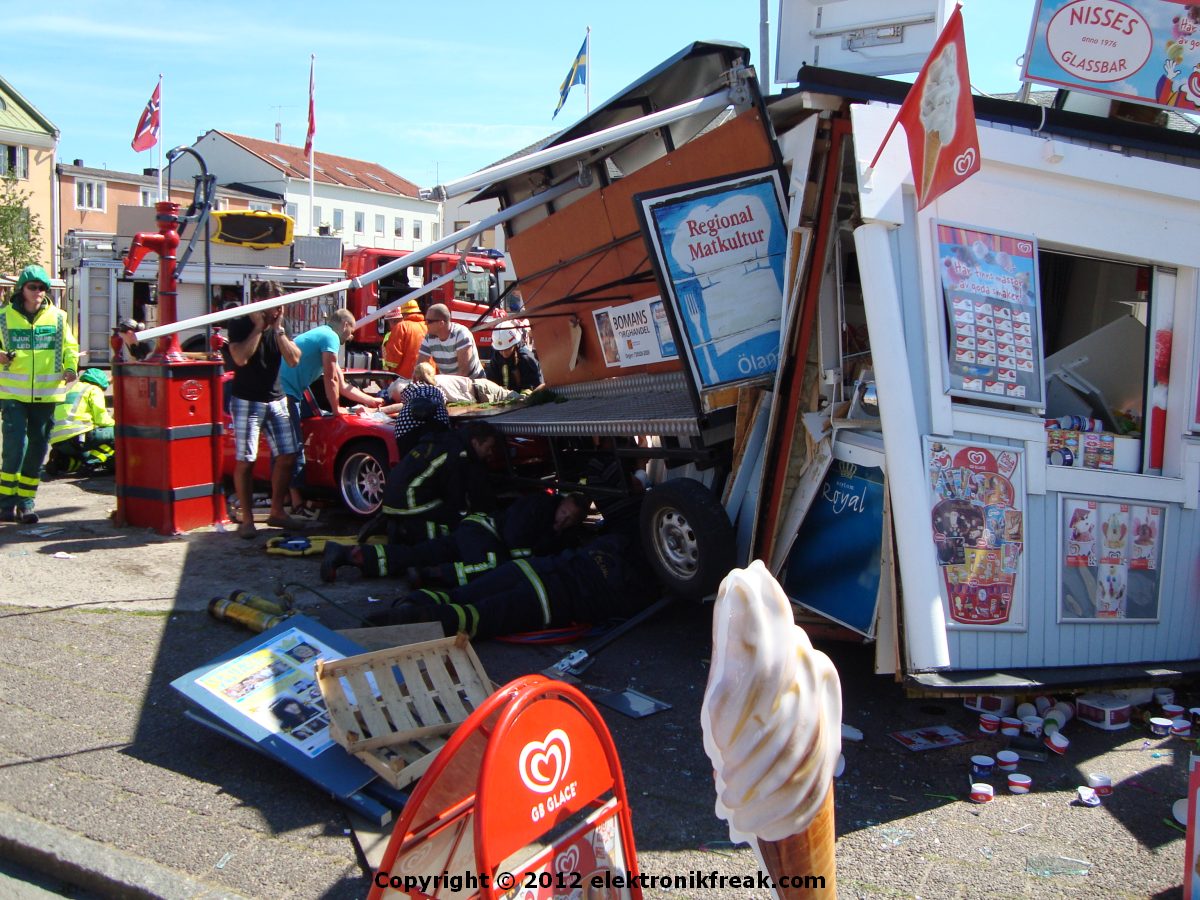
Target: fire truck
472,295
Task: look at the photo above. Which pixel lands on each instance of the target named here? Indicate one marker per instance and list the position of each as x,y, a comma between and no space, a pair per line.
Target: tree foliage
20,229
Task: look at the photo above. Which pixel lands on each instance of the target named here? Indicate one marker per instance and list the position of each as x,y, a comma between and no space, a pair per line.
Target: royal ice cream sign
1145,51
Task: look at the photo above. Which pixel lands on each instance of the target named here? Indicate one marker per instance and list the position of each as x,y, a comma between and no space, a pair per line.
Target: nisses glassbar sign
1145,51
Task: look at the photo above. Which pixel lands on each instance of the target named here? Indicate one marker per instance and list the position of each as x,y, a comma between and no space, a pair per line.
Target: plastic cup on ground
1006,761
1159,726
981,792
1010,727
1100,783
1087,796
1172,710
1057,742
1043,703
989,723
1018,783
1025,709
1032,726
1181,727
981,766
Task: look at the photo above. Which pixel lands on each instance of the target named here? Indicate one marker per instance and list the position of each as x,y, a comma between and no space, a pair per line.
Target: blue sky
433,91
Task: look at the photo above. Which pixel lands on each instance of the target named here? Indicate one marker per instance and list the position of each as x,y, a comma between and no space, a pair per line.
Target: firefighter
605,579
513,364
39,356
404,340
437,482
82,435
538,524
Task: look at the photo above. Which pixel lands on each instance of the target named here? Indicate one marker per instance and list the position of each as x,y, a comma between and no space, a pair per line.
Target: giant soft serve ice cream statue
772,718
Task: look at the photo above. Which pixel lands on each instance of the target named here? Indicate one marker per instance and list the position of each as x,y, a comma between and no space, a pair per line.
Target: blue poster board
265,690
834,566
719,249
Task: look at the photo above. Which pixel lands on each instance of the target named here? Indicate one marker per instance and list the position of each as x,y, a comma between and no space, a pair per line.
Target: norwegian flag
312,108
146,135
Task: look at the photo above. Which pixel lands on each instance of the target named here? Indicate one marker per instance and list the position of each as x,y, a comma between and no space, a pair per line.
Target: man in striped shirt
449,344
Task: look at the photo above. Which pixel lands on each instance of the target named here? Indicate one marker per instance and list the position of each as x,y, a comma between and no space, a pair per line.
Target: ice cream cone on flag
806,860
933,148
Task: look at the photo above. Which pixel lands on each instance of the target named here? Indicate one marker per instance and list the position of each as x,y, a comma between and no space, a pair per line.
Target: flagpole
312,64
160,140
587,82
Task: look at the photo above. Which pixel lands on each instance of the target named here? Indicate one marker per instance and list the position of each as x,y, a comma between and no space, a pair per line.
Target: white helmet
507,336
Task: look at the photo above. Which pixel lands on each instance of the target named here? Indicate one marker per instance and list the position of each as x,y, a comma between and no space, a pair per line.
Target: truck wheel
362,474
691,543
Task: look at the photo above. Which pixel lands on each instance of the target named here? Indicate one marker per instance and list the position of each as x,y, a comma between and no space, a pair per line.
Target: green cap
97,377
33,273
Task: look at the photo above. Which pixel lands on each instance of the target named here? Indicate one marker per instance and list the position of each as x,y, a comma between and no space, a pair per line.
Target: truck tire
361,474
689,540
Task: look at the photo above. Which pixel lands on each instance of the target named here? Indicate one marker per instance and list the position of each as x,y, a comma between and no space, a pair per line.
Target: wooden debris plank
470,672
418,690
364,695
396,700
424,733
447,690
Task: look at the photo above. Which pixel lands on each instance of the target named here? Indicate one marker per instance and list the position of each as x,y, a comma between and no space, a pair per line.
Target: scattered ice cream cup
1159,726
1026,709
1057,742
1018,783
1010,726
989,723
1006,761
1164,696
981,792
1032,726
1172,710
1087,796
1181,727
1042,703
981,767
1100,783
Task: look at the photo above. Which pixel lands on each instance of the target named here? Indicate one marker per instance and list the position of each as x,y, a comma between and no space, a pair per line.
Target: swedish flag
576,75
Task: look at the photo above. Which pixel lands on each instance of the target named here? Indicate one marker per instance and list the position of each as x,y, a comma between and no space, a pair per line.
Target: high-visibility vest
82,410
45,348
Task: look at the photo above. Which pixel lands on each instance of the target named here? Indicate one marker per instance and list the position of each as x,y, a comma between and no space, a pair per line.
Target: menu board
990,287
635,334
1111,557
977,514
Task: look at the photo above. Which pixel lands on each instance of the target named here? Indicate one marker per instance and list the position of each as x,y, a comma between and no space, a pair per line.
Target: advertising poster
1144,51
990,286
635,334
978,520
719,249
833,567
1111,558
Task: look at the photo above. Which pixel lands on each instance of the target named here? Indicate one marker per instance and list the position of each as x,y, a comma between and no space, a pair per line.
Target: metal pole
374,275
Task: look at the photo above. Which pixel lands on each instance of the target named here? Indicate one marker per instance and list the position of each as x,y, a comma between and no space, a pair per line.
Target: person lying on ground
539,524
606,579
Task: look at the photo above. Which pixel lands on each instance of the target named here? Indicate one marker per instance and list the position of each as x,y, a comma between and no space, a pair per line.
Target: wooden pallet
394,709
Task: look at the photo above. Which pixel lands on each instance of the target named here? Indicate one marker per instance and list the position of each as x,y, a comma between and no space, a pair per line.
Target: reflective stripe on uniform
433,466
381,556
464,571
538,588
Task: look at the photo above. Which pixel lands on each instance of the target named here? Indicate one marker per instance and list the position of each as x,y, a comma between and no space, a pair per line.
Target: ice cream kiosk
1028,345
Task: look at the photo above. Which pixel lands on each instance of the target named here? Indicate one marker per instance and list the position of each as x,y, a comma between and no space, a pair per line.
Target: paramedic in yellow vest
38,359
82,436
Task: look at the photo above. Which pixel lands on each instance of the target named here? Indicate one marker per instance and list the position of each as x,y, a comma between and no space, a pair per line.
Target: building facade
28,145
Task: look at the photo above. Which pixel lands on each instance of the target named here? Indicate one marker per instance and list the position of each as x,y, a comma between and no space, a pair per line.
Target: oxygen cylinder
272,607
240,613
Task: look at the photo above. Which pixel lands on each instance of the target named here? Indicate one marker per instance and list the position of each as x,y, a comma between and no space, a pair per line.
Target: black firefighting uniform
605,579
478,544
431,488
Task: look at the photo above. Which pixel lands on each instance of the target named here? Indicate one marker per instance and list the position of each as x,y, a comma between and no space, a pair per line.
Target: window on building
147,196
380,222
90,195
416,229
398,230
259,206
339,220
291,210
222,204
317,219
14,159
360,222
435,231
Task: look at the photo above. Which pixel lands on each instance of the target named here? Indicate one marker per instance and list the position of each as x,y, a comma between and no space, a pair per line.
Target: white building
361,202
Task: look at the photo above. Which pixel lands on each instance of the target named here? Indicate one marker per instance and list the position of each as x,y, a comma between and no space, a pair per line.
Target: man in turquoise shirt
319,358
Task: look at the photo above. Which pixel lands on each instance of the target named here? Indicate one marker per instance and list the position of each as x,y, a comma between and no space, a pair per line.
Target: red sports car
349,456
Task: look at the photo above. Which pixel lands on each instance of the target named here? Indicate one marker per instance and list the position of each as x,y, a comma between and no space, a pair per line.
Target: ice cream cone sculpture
772,718
939,110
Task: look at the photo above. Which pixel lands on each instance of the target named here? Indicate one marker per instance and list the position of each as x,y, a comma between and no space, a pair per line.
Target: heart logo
1024,246
416,860
964,162
977,457
543,763
568,860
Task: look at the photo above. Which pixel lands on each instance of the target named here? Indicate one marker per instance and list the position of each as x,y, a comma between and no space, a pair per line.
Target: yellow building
28,145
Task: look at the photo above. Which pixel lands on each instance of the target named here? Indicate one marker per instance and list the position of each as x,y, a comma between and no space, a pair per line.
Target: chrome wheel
676,544
361,482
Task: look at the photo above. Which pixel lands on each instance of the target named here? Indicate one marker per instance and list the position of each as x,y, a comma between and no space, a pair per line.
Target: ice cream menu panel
1110,560
978,518
990,286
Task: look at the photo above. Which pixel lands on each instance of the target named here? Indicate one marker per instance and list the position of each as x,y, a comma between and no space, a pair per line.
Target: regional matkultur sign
1144,51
